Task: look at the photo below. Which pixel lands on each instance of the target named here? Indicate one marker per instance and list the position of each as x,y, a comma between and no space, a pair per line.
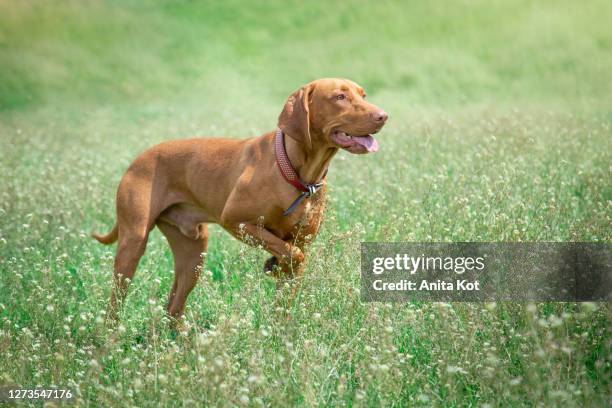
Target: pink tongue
368,142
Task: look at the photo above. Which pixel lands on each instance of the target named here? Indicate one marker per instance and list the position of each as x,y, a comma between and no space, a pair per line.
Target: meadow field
499,130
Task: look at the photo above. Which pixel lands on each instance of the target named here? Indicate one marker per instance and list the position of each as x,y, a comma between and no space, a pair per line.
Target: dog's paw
270,264
297,256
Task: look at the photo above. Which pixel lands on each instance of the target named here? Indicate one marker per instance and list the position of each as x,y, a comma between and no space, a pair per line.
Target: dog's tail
108,238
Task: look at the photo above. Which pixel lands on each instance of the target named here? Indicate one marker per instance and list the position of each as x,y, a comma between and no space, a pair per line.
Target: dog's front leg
289,257
257,235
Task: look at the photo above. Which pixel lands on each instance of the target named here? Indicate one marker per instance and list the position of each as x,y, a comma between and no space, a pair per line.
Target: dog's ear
294,120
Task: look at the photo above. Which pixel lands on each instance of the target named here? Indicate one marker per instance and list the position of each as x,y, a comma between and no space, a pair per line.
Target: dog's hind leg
129,251
135,219
188,260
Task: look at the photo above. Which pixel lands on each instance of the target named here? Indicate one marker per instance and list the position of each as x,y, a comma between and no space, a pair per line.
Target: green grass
499,131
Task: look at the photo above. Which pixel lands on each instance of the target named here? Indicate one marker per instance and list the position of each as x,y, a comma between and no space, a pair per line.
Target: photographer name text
413,265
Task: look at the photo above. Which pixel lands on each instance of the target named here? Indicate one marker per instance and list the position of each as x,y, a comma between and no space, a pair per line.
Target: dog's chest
304,220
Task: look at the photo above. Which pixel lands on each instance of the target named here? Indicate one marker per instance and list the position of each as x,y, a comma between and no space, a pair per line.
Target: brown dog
246,186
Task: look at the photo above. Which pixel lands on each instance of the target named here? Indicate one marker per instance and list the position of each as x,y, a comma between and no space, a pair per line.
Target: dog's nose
380,116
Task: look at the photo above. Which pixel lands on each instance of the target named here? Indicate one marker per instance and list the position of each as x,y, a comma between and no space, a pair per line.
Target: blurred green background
232,54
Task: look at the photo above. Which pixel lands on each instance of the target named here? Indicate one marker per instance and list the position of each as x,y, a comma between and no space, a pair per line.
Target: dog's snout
380,116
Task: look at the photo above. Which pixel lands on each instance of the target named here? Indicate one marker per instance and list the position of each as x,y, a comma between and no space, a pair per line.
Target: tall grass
499,131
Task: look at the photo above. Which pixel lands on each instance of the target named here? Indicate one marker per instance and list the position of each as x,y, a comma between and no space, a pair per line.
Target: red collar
289,173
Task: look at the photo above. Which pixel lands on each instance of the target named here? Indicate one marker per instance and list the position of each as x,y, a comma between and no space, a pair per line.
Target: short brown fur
182,186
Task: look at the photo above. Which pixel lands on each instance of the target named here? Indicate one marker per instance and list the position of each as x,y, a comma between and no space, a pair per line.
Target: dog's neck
311,164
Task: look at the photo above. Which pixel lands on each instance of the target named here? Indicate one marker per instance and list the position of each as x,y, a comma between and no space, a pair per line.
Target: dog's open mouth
355,144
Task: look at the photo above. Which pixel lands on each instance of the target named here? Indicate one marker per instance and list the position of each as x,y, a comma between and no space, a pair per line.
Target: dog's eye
341,97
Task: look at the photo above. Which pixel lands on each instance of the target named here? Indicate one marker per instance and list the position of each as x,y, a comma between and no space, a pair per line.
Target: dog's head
332,112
